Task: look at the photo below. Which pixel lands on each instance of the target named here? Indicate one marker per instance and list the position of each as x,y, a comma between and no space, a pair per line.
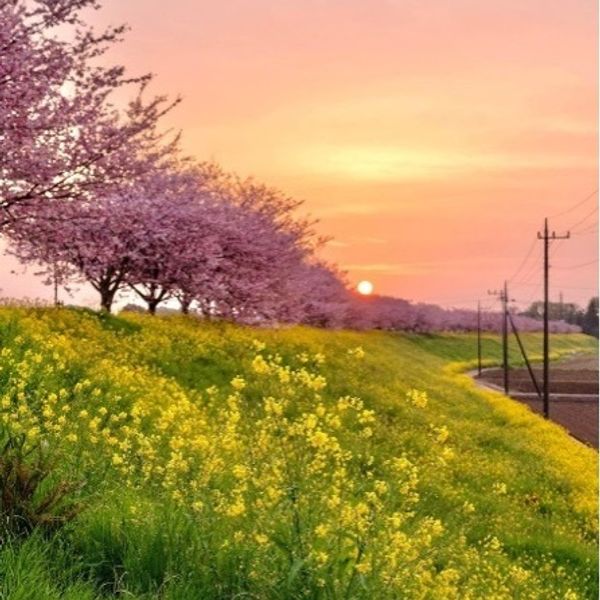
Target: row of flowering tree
233,252
93,190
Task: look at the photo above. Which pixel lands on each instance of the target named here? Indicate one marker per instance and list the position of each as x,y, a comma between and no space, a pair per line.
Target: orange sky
429,138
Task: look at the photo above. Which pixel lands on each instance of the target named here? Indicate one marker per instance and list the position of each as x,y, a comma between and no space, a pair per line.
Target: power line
583,220
562,287
441,301
592,228
531,288
585,264
536,291
552,243
532,271
576,205
555,245
524,261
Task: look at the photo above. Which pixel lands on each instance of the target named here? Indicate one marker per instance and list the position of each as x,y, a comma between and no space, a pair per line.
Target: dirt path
573,393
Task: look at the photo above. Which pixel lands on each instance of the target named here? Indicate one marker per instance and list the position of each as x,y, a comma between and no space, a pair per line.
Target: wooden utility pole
479,337
504,298
503,295
561,306
547,237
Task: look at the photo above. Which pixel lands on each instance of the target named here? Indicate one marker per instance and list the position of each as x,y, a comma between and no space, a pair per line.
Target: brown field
573,394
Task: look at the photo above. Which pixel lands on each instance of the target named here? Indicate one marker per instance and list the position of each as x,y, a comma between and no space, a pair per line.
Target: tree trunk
152,304
106,299
185,306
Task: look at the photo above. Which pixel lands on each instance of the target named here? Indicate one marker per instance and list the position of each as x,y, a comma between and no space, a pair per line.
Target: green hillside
170,458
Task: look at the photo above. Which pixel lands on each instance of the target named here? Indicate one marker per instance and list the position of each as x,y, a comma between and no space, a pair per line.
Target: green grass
514,496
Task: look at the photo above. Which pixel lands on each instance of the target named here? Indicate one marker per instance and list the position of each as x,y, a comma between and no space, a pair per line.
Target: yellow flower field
205,460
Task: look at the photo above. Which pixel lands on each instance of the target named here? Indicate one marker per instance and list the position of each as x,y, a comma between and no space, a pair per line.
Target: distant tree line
586,319
346,308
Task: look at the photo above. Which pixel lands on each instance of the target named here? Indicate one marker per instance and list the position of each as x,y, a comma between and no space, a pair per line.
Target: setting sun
365,288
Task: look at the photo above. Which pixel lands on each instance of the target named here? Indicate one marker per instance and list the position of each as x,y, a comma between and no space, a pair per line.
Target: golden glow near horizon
365,288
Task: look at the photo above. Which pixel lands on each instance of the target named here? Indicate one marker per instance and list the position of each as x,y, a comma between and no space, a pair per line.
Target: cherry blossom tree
318,295
120,240
94,242
231,258
252,269
61,134
262,243
166,236
167,204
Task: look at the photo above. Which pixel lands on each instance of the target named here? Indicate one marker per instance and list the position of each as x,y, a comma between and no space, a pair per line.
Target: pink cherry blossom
62,136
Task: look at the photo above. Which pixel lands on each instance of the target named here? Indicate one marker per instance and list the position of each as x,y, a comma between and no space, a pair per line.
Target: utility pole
546,237
503,295
479,337
561,306
504,298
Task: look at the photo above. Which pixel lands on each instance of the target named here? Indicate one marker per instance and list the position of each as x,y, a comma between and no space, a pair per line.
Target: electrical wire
535,266
563,287
524,261
533,269
576,205
585,264
581,221
588,229
537,290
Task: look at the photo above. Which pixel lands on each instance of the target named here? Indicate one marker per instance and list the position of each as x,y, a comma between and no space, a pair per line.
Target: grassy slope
531,486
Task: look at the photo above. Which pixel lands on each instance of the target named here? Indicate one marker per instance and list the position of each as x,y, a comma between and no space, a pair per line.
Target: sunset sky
429,138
